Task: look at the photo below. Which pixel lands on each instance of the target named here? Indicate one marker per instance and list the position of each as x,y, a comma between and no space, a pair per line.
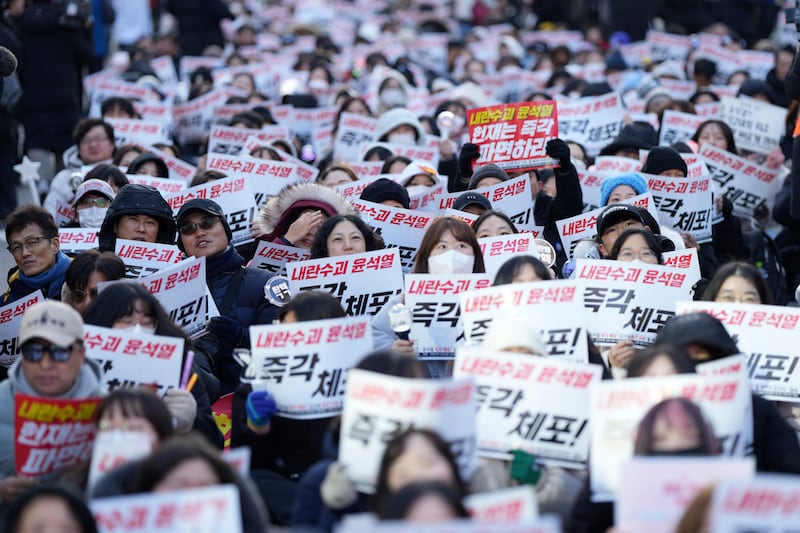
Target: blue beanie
633,180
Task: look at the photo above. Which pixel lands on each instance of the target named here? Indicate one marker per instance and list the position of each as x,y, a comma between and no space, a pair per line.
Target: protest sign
497,250
553,307
512,505
130,359
144,258
233,195
304,364
178,168
427,199
164,186
512,197
655,491
113,448
766,503
273,256
10,322
758,126
52,434
398,227
230,140
308,173
193,119
678,90
593,121
264,177
411,151
513,136
203,510
77,240
182,291
668,46
352,189
156,111
617,407
543,524
683,204
434,304
746,184
768,334
614,165
107,87
677,126
584,226
590,187
131,131
685,259
354,131
362,283
365,169
630,301
536,404
378,407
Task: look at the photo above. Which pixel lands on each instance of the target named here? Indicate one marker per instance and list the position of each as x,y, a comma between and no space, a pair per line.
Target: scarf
50,280
226,261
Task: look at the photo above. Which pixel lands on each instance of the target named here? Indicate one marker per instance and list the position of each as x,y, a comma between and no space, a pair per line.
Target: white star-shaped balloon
28,175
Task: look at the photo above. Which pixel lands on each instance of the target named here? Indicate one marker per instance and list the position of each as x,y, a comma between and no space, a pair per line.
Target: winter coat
568,202
134,199
199,22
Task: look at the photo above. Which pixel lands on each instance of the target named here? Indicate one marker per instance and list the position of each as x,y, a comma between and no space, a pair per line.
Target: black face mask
688,452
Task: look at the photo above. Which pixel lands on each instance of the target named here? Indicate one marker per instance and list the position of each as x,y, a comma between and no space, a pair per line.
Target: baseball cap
207,206
93,185
52,321
471,198
616,213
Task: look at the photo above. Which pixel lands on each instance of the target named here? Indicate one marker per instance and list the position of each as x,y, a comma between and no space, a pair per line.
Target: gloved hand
466,158
559,150
228,332
183,408
337,490
260,407
524,468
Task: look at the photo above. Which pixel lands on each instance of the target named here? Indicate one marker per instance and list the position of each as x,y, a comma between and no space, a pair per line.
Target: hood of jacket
135,199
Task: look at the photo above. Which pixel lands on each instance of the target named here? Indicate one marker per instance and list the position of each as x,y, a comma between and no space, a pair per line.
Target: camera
74,14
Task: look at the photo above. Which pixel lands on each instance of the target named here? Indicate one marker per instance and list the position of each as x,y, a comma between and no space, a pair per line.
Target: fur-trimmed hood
279,211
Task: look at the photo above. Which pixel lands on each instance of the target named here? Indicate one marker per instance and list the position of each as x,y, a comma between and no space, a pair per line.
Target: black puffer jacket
134,199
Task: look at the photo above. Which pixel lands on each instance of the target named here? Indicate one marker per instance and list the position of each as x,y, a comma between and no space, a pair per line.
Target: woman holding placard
344,235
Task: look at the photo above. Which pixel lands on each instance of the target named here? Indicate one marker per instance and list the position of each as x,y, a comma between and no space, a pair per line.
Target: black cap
616,213
384,189
662,158
471,198
207,206
698,328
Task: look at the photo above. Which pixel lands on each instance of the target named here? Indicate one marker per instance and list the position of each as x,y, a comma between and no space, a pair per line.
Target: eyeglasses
34,352
30,244
78,296
86,141
100,201
644,255
205,223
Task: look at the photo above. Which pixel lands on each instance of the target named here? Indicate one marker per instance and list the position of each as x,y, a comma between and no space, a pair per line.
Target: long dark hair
641,361
460,230
77,506
742,270
312,305
319,246
726,131
677,411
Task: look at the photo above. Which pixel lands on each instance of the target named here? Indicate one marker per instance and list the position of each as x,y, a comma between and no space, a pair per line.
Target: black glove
469,153
558,149
228,332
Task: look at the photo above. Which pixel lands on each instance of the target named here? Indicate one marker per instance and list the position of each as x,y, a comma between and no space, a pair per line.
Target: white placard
128,131
630,301
145,258
765,504
513,505
684,204
758,126
113,448
677,126
183,293
10,322
377,407
497,250
512,197
354,132
592,121
434,304
536,404
164,186
193,119
686,259
273,256
362,283
76,240
264,177
304,364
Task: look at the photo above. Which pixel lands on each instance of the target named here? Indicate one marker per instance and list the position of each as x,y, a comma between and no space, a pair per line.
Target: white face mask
402,138
138,329
92,217
451,262
393,97
416,190
318,85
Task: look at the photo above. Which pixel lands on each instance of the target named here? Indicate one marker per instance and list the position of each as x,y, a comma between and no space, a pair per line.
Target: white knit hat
515,332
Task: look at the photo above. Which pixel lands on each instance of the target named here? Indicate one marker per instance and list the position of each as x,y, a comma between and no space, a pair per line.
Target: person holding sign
238,292
343,235
52,365
138,213
32,237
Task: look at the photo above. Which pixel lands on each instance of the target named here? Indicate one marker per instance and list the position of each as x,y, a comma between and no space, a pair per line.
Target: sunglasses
34,352
205,223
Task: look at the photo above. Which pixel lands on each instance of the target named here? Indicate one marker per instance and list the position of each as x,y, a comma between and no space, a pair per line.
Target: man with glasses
53,364
237,291
32,238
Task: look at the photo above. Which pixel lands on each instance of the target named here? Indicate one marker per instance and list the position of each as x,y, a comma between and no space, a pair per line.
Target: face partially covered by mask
393,97
138,329
451,262
92,217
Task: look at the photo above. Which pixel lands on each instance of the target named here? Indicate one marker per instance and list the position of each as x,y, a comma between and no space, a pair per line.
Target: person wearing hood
238,292
138,213
399,126
32,237
293,216
53,365
418,176
92,200
631,139
94,143
392,92
149,164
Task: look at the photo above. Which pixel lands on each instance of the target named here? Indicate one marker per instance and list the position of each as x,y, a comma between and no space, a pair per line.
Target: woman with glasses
637,245
87,270
32,238
94,143
237,291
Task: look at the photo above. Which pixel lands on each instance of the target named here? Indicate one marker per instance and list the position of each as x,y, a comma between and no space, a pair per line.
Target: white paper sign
127,131
592,121
354,132
377,407
757,126
144,258
76,240
304,364
497,250
183,293
273,256
677,126
264,177
765,504
513,505
10,322
164,186
113,448
512,197
684,204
